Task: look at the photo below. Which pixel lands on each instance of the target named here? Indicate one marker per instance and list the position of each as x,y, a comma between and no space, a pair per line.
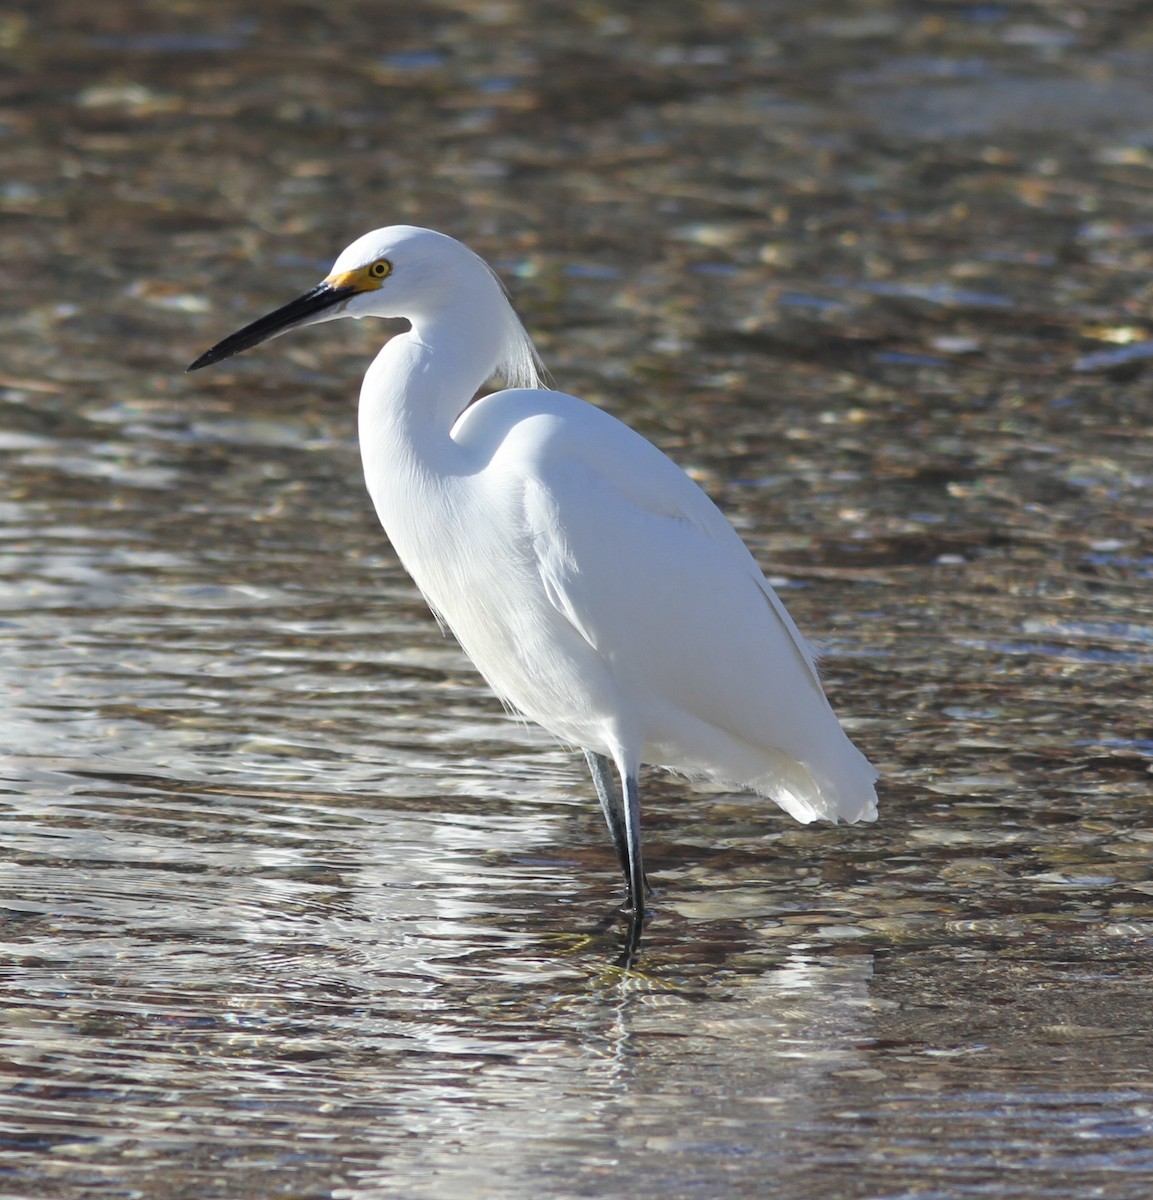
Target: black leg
601,768
634,872
634,869
602,772
623,817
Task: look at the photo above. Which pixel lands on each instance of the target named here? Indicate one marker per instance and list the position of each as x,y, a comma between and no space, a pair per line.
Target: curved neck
414,390
417,386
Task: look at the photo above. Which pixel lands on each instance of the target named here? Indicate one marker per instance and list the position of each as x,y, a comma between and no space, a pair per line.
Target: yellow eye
381,269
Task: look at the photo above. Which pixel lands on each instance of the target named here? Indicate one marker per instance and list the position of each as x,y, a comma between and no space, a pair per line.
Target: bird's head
398,271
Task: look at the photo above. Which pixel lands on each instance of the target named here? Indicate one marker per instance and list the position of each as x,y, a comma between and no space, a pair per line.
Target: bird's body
593,584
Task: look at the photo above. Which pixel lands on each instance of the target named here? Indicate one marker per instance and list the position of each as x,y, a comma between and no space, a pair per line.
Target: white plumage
594,585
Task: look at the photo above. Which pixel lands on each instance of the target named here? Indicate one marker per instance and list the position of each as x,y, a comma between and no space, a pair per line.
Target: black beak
301,311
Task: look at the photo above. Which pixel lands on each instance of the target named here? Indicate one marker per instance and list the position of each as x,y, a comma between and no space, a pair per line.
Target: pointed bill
320,304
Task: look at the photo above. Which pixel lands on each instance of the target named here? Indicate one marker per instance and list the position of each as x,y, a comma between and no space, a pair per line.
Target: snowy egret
596,588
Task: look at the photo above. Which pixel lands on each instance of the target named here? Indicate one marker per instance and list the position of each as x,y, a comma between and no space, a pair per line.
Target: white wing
707,661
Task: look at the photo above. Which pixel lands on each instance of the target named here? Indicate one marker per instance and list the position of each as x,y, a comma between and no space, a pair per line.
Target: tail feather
843,791
841,788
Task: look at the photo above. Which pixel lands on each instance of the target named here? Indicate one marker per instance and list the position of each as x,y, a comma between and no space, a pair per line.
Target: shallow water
290,907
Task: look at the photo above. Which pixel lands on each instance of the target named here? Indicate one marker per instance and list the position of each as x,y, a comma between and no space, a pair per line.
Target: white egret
595,587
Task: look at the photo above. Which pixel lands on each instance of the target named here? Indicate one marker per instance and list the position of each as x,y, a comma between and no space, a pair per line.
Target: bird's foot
635,915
